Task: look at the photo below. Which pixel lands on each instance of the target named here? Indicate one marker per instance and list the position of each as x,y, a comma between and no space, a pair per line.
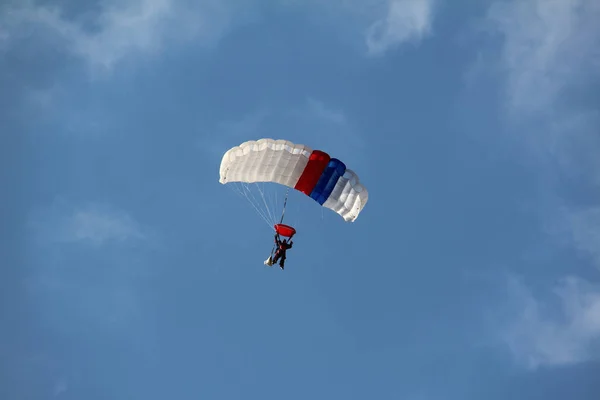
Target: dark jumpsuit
281,249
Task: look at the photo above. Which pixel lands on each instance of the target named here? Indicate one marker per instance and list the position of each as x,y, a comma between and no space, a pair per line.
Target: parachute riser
282,215
284,204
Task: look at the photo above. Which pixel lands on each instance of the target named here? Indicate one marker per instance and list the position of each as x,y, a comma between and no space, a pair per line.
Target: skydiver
282,247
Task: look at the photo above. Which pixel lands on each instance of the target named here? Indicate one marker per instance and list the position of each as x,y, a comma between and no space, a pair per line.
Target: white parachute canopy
312,172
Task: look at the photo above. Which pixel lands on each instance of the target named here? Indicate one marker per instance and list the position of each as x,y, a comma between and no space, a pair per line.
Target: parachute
314,173
284,230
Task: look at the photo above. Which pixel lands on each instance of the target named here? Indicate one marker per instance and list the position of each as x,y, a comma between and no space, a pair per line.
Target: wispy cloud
3,37
76,263
379,25
548,45
405,21
550,59
95,224
99,226
584,227
121,29
541,336
60,387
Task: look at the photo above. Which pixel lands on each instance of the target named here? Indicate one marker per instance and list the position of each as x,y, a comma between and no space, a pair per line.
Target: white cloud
405,21
548,45
123,28
550,55
95,224
99,226
540,336
381,25
104,299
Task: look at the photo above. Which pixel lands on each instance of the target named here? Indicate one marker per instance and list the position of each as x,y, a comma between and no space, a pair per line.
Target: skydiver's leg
276,258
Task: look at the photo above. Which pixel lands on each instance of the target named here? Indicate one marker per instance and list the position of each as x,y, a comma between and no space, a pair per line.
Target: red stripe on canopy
312,172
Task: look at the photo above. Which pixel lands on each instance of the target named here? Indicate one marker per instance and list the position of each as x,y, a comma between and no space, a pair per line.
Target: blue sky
128,272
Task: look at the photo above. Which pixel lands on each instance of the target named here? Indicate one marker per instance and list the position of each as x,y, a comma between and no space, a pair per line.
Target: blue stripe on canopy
333,171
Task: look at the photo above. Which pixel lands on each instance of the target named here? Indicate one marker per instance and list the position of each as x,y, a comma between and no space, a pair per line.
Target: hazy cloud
550,56
121,28
94,223
74,289
380,25
405,21
584,232
118,30
548,45
99,226
546,335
